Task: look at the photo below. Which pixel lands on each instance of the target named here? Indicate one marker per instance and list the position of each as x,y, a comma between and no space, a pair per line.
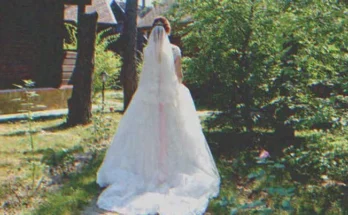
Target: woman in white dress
159,160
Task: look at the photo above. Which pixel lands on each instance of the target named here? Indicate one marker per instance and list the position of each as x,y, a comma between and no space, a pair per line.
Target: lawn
58,176
30,172
60,154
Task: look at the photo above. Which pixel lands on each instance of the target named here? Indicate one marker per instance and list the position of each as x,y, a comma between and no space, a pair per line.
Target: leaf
18,86
29,83
223,202
253,204
32,94
265,211
279,166
41,106
234,211
257,174
16,100
324,177
281,191
27,104
286,204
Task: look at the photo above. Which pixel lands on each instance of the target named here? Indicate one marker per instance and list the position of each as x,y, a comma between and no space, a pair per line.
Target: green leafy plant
28,103
100,129
61,161
319,159
106,61
70,42
261,62
263,184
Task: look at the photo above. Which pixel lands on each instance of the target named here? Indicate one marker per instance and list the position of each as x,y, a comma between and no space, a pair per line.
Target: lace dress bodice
159,161
176,51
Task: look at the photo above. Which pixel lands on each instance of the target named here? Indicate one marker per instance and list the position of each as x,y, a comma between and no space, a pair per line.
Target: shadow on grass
81,187
54,128
246,179
75,194
35,118
230,143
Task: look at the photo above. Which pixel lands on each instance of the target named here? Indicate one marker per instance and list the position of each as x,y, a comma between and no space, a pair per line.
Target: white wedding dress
159,160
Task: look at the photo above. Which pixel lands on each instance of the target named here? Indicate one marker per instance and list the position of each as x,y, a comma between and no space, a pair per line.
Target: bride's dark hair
161,20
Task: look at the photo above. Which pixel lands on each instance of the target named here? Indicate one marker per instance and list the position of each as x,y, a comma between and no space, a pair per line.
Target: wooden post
81,9
80,103
128,70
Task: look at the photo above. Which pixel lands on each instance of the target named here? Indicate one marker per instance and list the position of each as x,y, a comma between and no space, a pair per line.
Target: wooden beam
78,2
81,9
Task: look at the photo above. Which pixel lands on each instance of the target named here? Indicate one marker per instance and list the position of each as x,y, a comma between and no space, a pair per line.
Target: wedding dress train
159,160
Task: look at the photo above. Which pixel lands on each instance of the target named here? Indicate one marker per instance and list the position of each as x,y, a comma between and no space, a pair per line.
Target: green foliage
101,127
60,161
265,185
75,194
70,43
28,102
308,179
106,61
261,62
320,158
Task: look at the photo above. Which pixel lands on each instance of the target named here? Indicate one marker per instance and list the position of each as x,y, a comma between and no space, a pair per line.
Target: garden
270,83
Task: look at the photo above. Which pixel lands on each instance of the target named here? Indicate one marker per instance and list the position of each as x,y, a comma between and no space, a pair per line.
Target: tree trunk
245,64
80,103
128,71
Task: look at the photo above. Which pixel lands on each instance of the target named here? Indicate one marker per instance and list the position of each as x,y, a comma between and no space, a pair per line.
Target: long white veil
159,160
158,76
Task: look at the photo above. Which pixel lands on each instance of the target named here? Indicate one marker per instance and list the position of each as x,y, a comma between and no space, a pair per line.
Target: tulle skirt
158,161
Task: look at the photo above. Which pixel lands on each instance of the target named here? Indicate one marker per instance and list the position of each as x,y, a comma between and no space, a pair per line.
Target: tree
129,66
258,61
80,103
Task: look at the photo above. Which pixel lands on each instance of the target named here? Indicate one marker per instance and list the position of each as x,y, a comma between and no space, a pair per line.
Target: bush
259,60
105,60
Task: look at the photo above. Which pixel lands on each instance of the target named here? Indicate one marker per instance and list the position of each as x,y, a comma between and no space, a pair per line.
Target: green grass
274,192
291,183
287,183
75,194
16,159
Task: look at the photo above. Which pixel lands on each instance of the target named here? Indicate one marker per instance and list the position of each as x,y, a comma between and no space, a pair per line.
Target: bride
159,160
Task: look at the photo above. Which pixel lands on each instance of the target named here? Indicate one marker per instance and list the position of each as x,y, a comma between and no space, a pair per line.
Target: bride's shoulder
175,47
176,50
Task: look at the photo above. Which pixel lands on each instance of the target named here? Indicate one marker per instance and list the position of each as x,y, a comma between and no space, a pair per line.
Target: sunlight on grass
16,157
276,186
73,195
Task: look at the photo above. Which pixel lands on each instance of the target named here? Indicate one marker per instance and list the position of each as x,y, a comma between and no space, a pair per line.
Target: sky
148,2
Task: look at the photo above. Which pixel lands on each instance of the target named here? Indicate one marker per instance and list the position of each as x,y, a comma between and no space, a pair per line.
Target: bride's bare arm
178,69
